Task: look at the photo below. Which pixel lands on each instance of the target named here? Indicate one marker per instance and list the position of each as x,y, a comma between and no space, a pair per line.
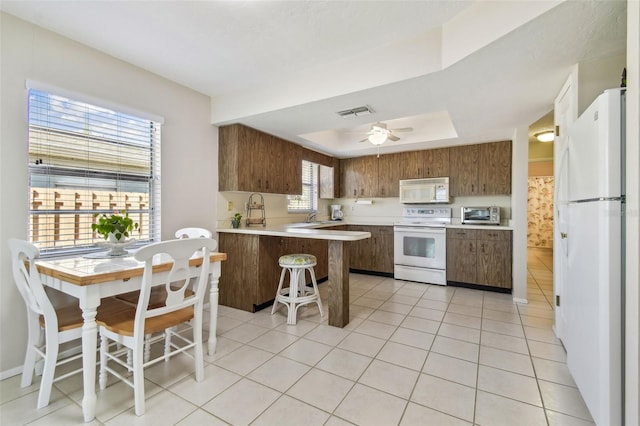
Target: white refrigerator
593,291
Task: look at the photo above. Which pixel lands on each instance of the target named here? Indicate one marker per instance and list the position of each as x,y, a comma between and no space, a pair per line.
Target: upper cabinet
359,177
252,161
483,169
422,164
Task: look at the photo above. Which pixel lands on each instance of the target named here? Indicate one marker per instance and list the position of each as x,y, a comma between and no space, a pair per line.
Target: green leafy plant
120,225
235,220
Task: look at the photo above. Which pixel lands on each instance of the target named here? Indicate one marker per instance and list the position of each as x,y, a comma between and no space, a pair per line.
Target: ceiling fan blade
403,129
364,140
393,138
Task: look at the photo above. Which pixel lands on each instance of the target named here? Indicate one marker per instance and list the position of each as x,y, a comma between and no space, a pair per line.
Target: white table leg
89,305
214,279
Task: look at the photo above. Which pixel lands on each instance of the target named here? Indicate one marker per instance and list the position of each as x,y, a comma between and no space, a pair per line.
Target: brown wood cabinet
481,257
359,177
389,175
252,161
483,169
434,162
374,254
463,164
251,273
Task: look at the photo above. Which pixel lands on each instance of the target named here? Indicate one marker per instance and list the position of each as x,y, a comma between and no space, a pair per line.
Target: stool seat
297,294
297,260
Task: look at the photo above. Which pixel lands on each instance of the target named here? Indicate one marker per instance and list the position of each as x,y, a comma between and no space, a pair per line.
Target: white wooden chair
193,233
130,328
48,325
158,294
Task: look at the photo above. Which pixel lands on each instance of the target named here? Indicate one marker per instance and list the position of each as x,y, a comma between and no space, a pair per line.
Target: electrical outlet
229,206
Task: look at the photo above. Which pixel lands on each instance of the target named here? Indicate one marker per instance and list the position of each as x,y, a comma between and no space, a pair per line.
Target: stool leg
294,282
275,301
316,291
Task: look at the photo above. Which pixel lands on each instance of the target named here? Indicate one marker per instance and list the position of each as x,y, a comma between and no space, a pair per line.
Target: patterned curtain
540,212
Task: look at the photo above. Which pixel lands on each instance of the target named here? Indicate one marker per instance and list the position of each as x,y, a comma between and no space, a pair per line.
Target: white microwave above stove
424,191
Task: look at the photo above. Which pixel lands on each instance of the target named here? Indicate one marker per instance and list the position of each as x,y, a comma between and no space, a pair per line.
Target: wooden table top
86,271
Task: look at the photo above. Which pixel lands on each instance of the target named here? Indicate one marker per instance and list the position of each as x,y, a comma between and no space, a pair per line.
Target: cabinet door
435,162
348,181
361,252
461,260
359,177
292,169
389,170
463,170
410,164
270,250
494,171
494,263
239,279
383,244
326,182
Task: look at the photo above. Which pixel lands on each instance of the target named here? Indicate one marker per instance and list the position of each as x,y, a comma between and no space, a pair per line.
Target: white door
564,115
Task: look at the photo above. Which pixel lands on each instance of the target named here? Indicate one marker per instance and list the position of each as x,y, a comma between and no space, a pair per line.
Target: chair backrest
27,279
177,280
193,233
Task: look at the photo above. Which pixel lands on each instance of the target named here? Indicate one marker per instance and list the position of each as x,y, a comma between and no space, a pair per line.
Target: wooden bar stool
298,293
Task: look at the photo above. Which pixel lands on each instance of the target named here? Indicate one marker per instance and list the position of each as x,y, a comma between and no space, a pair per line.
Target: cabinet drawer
462,234
494,235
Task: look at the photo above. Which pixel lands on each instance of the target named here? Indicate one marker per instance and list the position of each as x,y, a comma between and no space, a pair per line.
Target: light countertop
296,230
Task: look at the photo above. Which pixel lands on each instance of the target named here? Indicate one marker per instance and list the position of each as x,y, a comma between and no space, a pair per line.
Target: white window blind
85,159
308,201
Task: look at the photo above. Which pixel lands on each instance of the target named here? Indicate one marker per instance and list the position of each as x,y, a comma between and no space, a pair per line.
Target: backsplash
381,211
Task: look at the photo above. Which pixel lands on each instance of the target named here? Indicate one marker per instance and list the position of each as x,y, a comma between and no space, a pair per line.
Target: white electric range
420,244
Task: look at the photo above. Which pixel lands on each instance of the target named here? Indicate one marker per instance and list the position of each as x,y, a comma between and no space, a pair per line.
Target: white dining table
91,279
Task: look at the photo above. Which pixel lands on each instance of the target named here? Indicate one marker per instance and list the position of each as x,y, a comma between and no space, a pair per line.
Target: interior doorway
540,212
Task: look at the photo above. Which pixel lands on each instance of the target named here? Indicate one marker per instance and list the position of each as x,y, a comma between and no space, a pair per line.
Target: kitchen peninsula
250,276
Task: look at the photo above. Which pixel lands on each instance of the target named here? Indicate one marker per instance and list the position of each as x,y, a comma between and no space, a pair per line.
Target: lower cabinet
479,257
374,254
251,273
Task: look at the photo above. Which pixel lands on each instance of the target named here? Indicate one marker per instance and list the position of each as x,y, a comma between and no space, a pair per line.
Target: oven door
423,247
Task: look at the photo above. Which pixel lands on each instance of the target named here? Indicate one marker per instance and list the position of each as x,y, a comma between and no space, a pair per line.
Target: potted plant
235,220
116,227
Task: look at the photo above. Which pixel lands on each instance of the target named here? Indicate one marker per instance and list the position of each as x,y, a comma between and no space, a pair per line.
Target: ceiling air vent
356,112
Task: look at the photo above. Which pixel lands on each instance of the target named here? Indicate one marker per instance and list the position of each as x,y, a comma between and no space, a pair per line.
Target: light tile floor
413,354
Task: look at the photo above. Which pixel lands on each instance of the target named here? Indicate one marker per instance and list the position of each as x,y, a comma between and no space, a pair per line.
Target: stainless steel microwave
424,191
480,215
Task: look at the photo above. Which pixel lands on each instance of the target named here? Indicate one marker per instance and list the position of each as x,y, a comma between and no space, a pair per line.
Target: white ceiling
456,71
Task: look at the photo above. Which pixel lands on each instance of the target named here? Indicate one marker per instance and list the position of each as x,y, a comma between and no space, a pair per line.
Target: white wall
189,144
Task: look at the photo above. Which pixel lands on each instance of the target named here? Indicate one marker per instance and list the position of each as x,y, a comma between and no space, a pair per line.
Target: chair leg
34,338
275,301
50,360
315,289
147,347
167,343
294,283
198,350
138,379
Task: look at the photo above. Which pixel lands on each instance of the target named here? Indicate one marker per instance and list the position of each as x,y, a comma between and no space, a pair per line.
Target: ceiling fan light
547,136
377,138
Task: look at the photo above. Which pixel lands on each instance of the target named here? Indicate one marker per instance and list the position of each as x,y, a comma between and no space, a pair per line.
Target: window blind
308,201
86,159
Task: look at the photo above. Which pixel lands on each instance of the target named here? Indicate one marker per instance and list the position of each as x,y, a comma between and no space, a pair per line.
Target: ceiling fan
379,133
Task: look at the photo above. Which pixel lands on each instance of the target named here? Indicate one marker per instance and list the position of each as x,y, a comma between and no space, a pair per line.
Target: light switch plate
229,206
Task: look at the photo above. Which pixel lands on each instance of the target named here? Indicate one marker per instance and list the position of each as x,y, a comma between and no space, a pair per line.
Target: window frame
63,173
310,185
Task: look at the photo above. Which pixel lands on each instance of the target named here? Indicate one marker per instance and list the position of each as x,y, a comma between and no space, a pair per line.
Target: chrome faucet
311,217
